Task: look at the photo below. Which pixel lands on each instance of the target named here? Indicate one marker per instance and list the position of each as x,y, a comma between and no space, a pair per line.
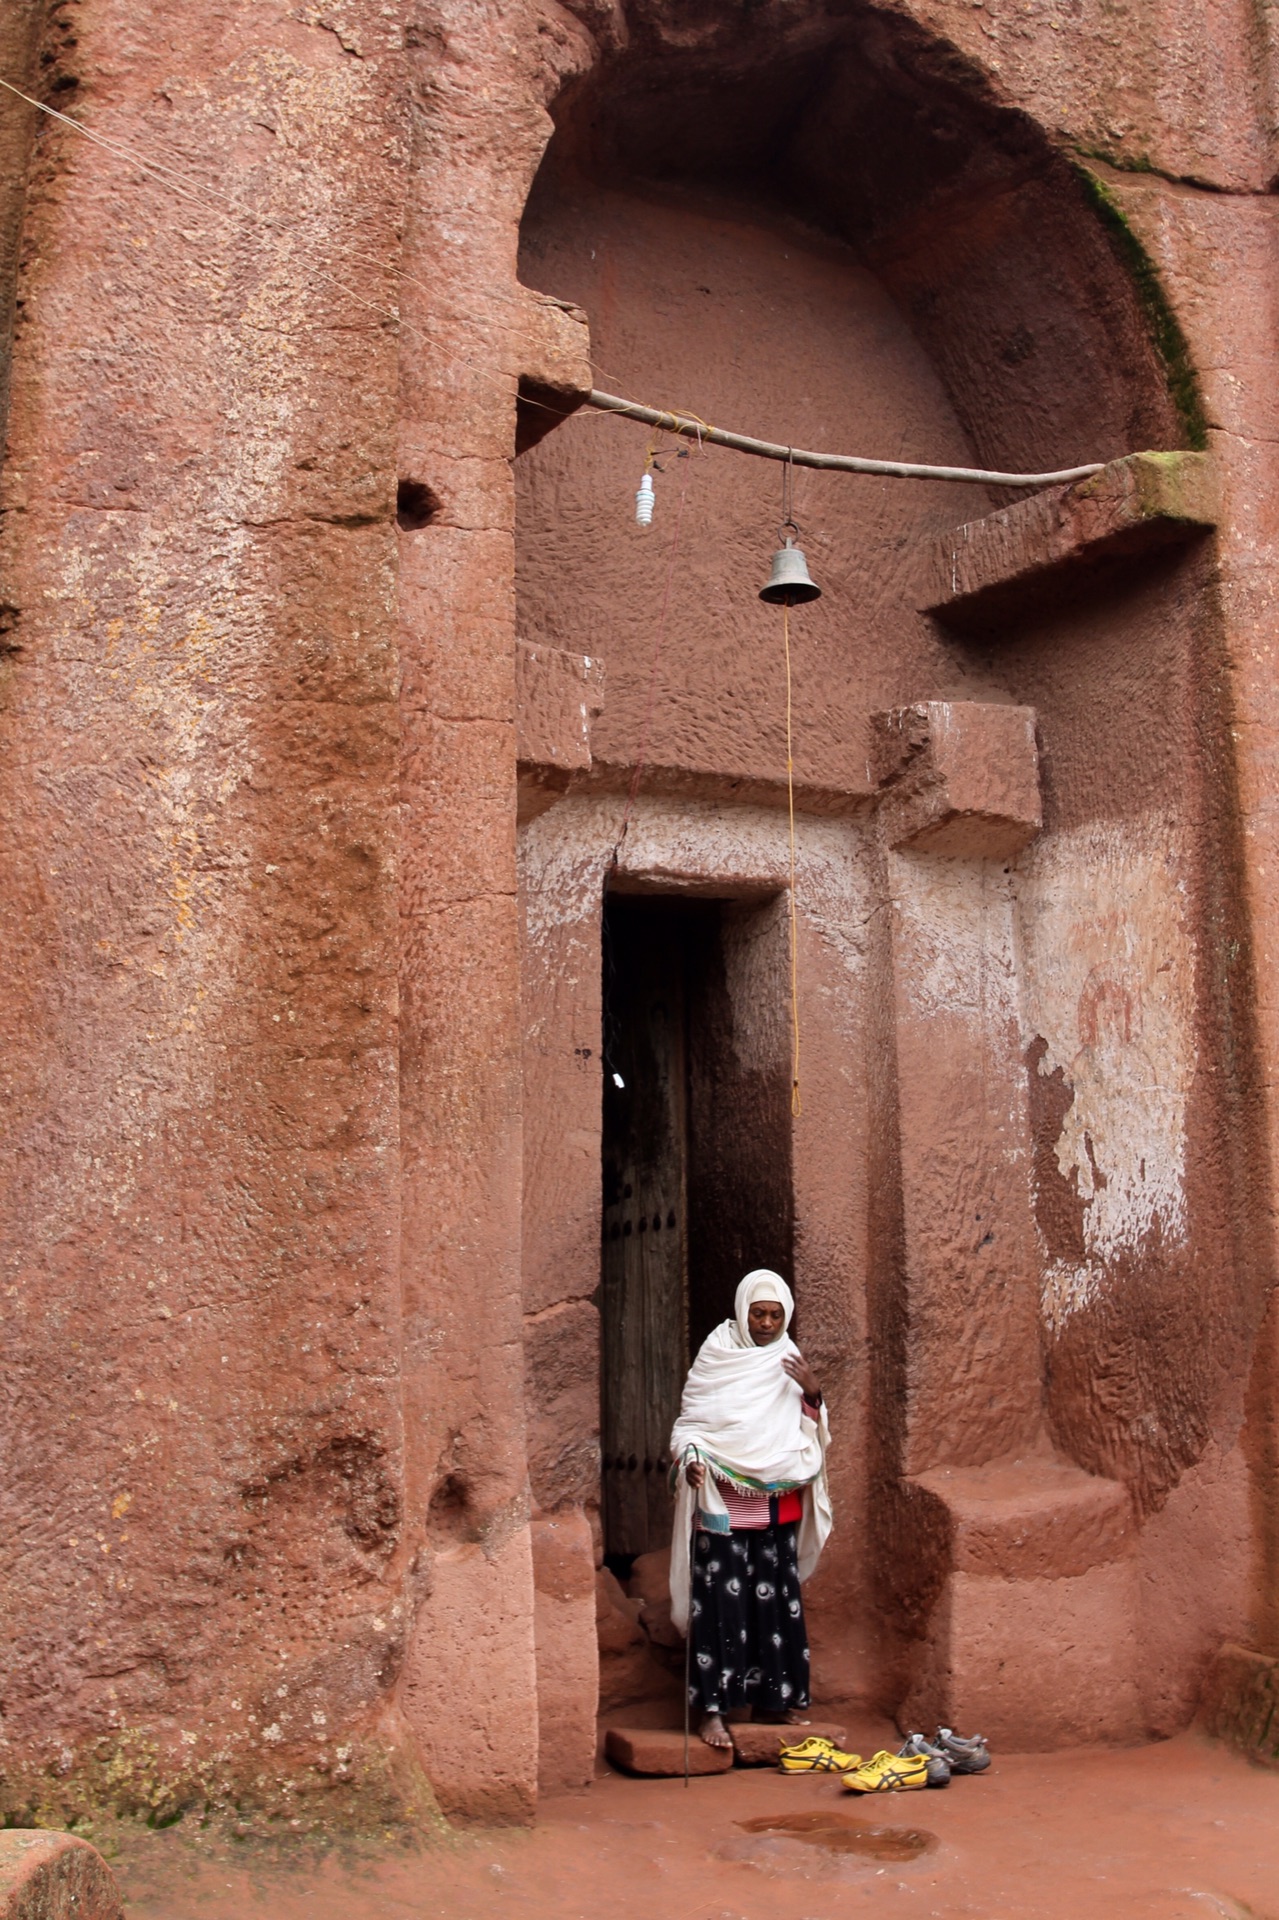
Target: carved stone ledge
1034,1554
1010,563
555,368
959,777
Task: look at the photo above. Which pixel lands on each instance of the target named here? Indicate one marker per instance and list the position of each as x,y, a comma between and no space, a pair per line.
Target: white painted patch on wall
1107,968
1065,1289
956,922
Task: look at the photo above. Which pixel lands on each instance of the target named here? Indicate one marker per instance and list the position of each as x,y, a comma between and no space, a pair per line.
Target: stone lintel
1011,562
959,777
1037,1519
555,374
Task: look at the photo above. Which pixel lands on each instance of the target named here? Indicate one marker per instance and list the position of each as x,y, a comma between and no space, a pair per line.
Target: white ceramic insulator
644,502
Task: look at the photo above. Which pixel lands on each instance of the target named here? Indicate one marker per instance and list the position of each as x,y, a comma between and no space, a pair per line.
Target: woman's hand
695,1473
805,1379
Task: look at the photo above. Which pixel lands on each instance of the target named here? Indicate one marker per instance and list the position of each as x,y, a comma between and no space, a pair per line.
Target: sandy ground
1184,1828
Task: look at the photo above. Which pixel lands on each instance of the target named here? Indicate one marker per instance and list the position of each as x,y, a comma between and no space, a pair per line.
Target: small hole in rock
449,1503
415,505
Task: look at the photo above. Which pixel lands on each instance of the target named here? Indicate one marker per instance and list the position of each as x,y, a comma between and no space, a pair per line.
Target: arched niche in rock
834,236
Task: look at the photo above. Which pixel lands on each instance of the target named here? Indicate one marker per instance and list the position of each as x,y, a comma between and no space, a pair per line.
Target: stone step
759,1746
660,1751
1030,1554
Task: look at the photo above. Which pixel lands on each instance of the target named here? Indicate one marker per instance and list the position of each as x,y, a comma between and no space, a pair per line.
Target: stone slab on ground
659,1751
759,1745
54,1876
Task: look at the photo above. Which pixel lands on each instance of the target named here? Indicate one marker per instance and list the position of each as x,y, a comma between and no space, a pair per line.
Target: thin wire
796,1104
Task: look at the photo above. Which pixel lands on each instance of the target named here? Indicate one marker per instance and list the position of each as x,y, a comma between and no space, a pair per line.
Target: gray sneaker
966,1755
939,1766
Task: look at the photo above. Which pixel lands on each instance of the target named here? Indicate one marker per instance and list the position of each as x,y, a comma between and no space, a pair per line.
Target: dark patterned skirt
746,1622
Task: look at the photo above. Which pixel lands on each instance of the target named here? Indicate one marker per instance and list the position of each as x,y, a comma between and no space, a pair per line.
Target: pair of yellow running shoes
883,1773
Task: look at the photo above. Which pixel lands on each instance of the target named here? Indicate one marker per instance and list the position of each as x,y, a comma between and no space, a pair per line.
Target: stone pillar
198,763
1218,257
1013,1550
962,799
479,78
562,893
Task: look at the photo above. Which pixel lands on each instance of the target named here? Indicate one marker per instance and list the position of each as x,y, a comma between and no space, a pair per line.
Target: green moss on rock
130,1777
1170,342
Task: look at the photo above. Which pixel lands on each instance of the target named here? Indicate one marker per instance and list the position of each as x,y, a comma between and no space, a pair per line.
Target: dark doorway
696,1165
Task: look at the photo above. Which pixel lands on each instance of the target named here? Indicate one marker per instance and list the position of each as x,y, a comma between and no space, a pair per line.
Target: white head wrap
742,1414
761,1284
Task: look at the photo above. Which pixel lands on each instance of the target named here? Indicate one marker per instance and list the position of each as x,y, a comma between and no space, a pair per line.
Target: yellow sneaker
888,1773
817,1755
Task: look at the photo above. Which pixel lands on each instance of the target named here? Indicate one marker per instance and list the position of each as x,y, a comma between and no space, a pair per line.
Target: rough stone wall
478,126
246,752
261,1220
204,1480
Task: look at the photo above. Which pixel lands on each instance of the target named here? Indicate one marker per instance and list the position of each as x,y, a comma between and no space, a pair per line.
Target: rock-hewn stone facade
320,705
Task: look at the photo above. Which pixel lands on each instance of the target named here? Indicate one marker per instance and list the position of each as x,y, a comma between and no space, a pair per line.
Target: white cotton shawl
742,1415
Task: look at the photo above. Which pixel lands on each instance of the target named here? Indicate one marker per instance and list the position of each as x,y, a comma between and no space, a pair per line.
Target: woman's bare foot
714,1732
789,1717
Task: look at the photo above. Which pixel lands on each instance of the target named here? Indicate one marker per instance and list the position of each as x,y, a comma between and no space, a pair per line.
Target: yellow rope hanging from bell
790,585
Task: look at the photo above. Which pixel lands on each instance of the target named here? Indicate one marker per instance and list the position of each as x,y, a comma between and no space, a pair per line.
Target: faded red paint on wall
301,1030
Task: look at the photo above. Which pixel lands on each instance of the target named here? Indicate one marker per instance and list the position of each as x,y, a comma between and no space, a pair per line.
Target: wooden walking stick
688,1631
688,1664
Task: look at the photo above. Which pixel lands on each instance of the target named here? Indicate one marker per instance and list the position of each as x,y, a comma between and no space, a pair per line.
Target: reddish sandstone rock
266,1115
623,1654
631,1667
616,1615
650,1584
53,1876
1009,562
564,1618
660,1751
963,778
1241,1702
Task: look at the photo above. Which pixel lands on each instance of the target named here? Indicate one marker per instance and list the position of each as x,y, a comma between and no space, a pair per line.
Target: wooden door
644,1312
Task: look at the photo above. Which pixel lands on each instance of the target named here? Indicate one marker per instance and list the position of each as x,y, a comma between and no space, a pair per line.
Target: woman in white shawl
749,1464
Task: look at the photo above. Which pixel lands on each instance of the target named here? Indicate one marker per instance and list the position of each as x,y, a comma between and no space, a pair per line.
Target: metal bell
789,583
